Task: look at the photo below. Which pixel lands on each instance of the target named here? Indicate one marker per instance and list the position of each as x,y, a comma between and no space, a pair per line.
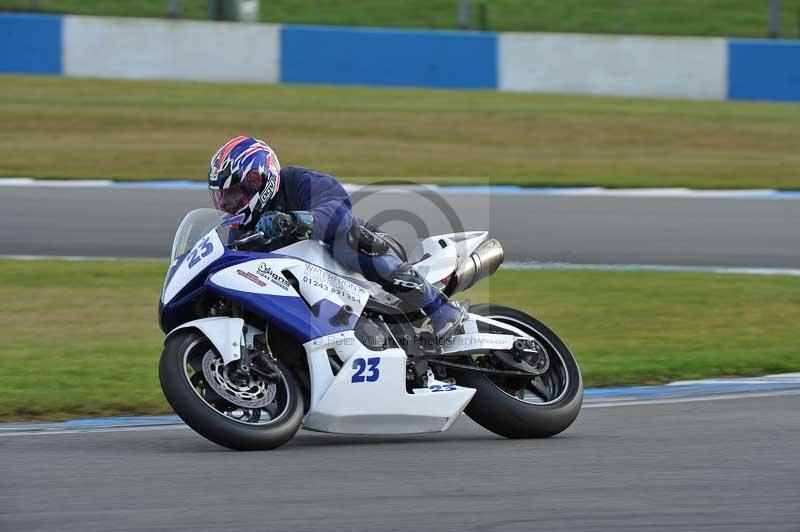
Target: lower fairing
368,395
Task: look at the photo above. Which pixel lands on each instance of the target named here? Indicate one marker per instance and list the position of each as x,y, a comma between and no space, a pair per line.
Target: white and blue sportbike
260,344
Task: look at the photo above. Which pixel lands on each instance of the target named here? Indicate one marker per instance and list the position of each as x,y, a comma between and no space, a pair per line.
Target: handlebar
285,224
258,235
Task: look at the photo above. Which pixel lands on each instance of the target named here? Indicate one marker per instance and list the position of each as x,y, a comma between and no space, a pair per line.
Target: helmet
243,176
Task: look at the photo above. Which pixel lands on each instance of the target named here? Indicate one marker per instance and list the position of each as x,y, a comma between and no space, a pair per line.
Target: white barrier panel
128,48
669,67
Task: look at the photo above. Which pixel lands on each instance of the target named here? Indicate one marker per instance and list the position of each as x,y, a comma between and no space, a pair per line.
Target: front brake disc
254,392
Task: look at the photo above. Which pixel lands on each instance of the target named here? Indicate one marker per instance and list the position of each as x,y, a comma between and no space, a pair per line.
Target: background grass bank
73,128
740,18
81,338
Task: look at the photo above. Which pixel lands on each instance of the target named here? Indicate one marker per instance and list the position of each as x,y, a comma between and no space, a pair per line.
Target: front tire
558,396
187,349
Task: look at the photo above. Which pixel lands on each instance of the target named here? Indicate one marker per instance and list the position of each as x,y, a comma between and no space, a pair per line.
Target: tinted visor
238,196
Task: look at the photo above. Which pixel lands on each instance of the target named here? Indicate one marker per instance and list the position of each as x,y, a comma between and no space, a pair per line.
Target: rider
291,203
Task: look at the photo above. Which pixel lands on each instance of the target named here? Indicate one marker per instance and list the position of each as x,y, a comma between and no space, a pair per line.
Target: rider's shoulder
299,173
292,172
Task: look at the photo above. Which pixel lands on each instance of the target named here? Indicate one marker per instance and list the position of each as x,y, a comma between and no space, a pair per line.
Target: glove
275,224
303,224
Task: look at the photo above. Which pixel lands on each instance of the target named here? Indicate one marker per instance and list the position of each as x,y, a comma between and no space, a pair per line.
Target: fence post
174,8
483,17
774,19
463,14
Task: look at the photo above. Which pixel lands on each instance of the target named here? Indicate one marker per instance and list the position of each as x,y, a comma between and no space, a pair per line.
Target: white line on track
502,190
93,430
514,266
521,266
76,258
674,400
65,183
604,404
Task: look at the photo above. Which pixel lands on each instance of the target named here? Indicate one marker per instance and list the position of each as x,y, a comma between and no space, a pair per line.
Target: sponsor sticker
330,282
250,276
276,278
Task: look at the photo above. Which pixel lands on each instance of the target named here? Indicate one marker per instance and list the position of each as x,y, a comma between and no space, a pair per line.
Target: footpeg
428,344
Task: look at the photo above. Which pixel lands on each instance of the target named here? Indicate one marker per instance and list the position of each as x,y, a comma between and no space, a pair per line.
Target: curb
625,395
498,190
670,268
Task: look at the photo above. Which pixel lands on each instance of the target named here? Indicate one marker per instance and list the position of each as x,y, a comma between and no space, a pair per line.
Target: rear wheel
258,410
524,407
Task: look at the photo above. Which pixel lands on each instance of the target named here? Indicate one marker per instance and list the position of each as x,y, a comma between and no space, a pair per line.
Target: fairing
303,291
300,298
436,257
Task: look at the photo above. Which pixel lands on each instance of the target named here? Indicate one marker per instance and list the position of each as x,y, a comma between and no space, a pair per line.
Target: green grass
646,327
74,128
80,339
740,18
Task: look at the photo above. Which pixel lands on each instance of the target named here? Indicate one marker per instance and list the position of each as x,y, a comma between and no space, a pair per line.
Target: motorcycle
259,344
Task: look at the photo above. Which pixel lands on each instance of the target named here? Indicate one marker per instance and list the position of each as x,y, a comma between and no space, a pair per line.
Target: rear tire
213,424
502,413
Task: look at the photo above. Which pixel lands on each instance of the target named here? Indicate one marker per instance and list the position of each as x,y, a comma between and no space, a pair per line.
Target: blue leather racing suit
325,198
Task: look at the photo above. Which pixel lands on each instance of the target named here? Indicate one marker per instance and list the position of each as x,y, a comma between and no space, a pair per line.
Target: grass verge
81,339
741,18
158,130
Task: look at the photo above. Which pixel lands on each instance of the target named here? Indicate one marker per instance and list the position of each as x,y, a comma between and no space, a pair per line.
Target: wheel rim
544,389
251,400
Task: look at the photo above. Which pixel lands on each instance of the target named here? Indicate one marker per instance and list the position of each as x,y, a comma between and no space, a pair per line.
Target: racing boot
446,316
447,319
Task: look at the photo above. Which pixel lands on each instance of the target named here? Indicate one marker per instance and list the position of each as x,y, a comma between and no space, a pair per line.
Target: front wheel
257,410
524,407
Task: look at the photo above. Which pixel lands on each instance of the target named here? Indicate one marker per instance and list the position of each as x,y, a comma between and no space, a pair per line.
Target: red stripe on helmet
226,149
254,149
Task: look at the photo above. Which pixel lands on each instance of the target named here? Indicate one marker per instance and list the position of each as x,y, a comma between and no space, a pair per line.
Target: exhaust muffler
481,263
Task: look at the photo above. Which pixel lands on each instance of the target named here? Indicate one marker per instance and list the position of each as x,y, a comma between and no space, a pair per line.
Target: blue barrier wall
742,69
764,70
351,56
30,44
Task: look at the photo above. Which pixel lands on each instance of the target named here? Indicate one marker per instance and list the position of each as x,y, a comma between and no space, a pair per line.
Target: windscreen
195,226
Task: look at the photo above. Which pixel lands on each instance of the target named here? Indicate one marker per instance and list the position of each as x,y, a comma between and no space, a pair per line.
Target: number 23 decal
360,365
200,252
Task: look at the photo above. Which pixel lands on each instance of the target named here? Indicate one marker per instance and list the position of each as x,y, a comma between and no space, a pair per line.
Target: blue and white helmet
243,176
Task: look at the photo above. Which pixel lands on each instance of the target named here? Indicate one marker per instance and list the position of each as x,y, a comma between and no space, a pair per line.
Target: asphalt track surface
122,222
727,465
705,465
